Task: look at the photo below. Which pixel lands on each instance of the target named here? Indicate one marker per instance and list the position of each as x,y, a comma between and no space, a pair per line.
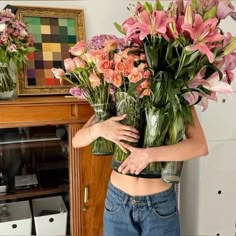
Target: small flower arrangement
88,70
15,40
15,43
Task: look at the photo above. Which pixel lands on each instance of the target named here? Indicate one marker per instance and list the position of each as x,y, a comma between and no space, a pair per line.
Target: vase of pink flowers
90,72
15,43
188,56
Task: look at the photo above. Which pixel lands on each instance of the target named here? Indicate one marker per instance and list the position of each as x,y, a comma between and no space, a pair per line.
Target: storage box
20,222
50,216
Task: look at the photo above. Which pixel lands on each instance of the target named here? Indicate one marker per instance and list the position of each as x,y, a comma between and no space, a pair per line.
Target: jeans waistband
140,200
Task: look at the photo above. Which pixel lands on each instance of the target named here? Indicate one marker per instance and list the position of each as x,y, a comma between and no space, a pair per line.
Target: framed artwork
54,31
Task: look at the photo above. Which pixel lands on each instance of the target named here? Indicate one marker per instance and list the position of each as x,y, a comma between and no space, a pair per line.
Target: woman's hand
114,131
135,162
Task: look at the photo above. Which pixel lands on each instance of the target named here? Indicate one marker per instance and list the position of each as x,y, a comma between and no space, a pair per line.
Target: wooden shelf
32,192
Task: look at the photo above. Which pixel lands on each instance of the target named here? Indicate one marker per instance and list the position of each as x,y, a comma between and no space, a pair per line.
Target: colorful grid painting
53,38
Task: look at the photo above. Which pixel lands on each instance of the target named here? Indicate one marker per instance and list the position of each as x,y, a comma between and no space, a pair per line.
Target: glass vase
102,146
126,104
156,126
7,80
171,171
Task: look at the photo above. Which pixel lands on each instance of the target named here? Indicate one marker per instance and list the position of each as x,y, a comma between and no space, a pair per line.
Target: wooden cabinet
88,174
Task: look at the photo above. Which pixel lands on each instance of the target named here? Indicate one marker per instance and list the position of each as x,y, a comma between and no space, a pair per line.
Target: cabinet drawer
44,114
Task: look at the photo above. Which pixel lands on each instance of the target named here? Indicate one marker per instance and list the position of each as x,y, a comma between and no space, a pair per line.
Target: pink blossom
69,64
103,65
77,92
12,48
58,73
117,80
78,62
94,56
225,8
153,24
120,67
135,75
78,49
203,33
215,85
94,80
110,45
108,75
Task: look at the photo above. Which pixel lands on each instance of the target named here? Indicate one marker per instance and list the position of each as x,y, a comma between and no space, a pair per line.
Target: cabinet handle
85,194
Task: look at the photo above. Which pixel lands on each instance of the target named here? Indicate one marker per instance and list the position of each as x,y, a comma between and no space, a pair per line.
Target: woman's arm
194,145
109,129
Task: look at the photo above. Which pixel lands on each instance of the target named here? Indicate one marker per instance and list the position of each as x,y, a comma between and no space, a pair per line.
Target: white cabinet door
212,208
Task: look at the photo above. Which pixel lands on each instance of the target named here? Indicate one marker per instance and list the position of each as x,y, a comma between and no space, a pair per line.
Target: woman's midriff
136,186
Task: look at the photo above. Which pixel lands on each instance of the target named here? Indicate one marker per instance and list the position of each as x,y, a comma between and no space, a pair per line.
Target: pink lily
147,24
215,85
224,9
203,33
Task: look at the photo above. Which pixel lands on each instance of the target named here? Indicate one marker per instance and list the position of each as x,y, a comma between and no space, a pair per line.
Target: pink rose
94,80
117,80
110,45
135,75
69,64
121,67
58,73
103,65
108,75
78,49
78,62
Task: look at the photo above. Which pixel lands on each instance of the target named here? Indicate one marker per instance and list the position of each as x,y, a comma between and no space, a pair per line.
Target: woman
141,206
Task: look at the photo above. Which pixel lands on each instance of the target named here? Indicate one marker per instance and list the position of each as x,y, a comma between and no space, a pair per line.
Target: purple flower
97,41
77,92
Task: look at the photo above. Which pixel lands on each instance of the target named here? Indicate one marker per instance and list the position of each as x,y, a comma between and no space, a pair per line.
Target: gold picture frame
54,31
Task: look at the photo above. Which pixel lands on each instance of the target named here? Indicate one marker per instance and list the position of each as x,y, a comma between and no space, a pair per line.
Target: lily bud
231,47
148,7
211,13
158,6
188,18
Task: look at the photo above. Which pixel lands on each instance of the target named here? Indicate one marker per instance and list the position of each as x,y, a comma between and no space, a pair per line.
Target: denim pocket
112,205
166,208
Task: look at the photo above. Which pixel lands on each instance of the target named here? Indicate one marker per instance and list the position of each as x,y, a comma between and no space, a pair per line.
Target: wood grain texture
85,169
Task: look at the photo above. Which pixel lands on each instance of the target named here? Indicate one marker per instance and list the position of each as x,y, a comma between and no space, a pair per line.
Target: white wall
99,15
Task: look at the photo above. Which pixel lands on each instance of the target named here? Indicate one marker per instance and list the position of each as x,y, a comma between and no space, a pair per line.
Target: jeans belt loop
149,201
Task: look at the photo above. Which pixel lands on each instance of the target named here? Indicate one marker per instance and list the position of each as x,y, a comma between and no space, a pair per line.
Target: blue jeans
151,215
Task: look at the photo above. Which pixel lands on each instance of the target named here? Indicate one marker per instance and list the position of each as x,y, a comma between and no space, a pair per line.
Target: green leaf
133,86
119,28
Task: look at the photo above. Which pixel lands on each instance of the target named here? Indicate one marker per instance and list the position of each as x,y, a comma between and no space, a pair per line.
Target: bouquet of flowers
15,43
103,71
88,70
190,59
130,75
